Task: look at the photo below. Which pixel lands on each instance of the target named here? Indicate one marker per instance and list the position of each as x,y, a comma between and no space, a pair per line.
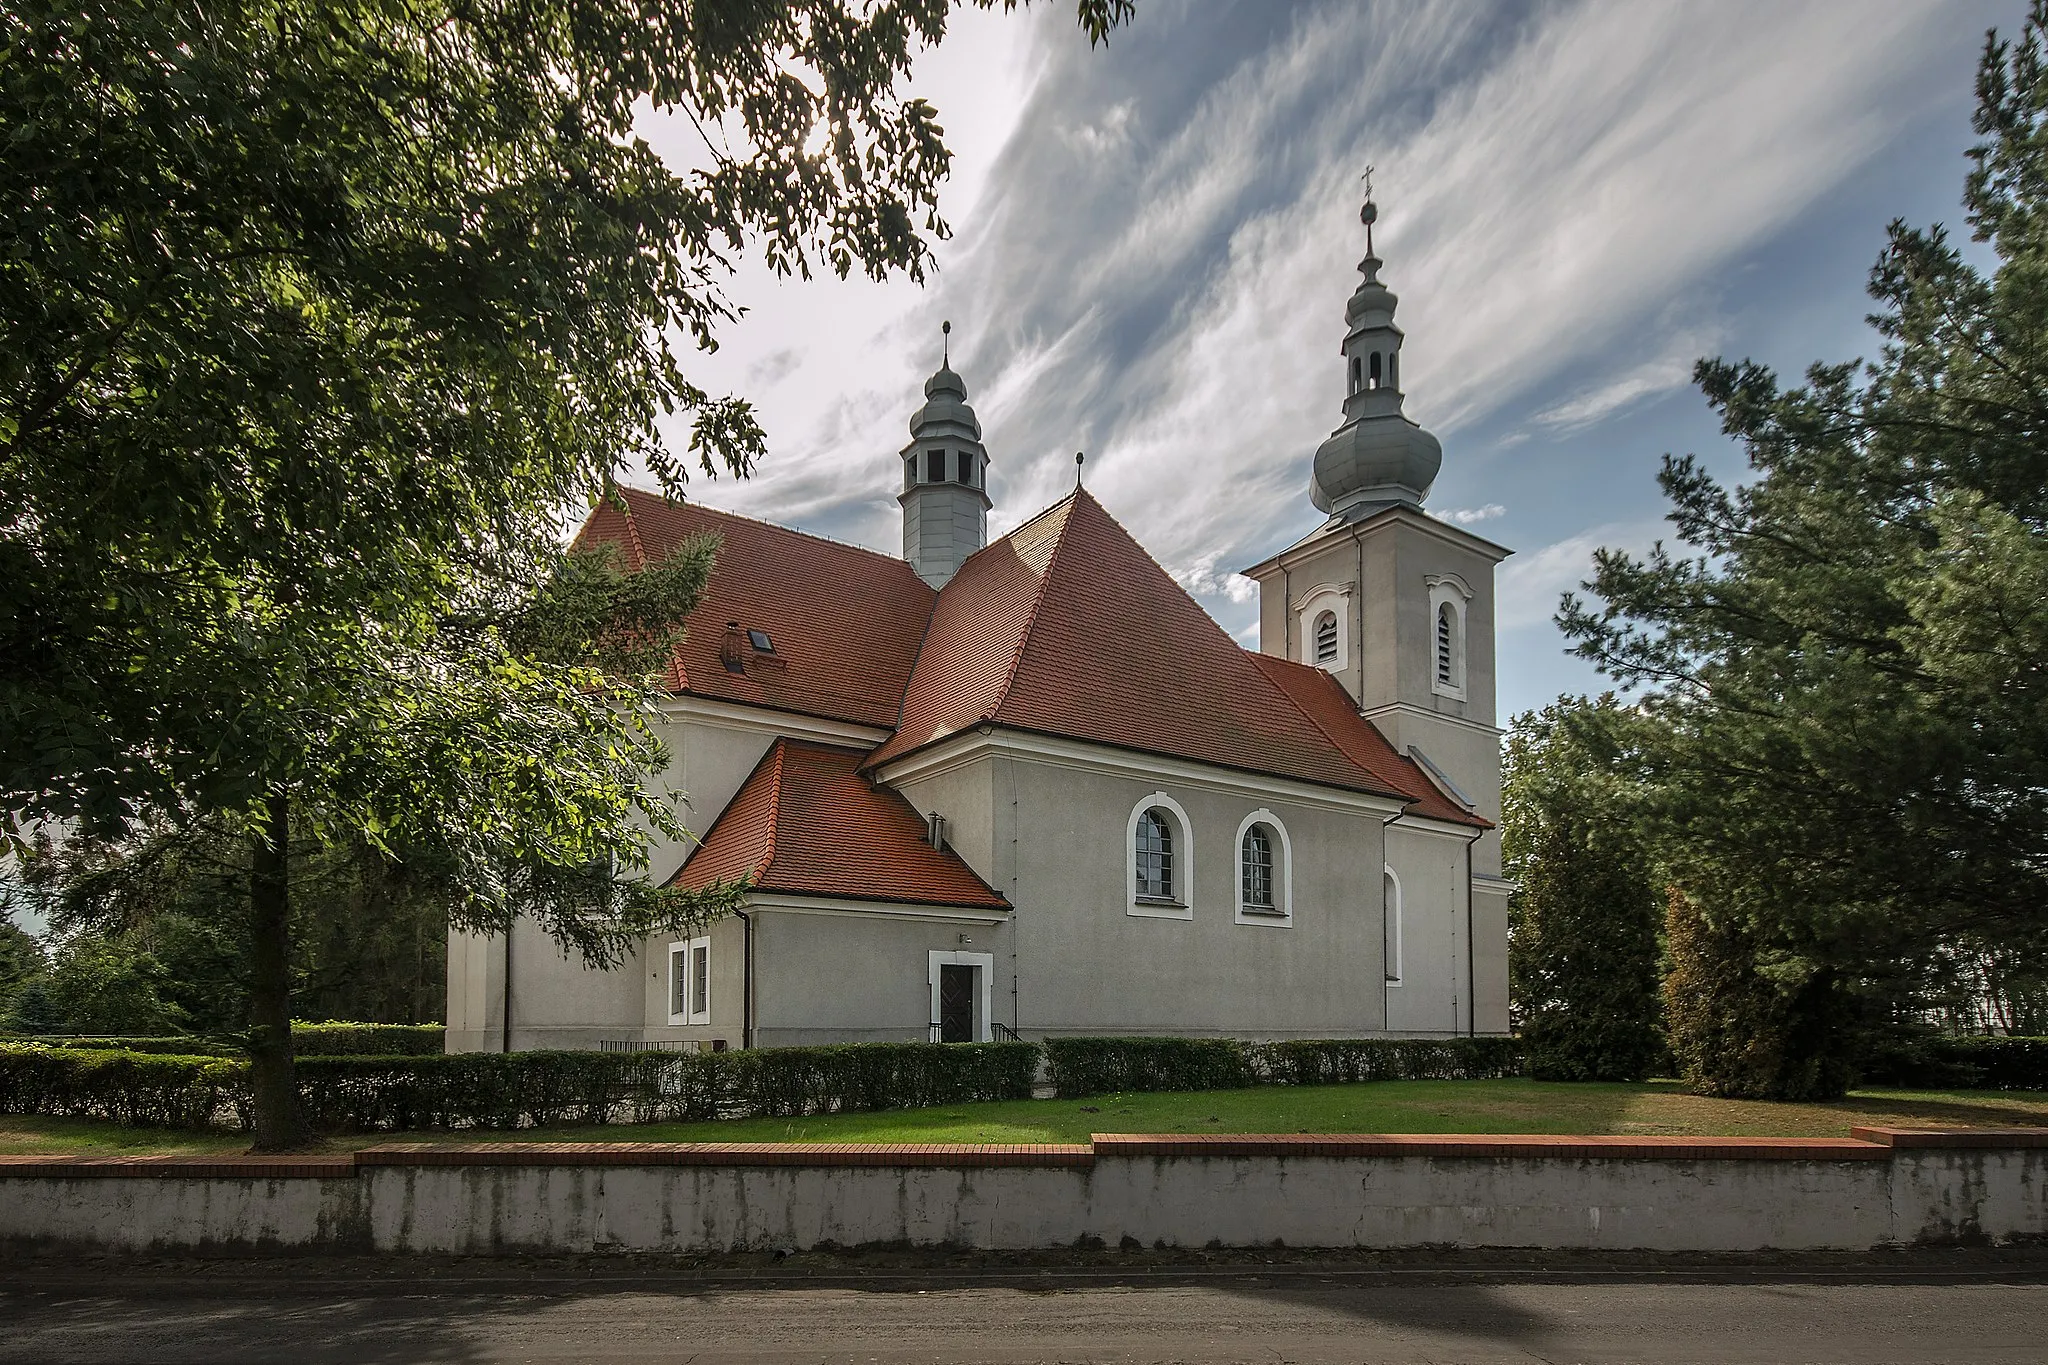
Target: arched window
1393,369
1265,865
1393,928
1356,370
1322,627
1159,859
1155,856
1448,598
1372,371
1255,868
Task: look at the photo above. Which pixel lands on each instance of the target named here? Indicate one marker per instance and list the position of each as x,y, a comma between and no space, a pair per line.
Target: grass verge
1506,1106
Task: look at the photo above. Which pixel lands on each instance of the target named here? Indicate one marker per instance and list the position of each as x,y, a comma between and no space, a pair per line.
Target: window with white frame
1159,854
1155,856
1392,924
689,981
1448,597
1265,870
1325,624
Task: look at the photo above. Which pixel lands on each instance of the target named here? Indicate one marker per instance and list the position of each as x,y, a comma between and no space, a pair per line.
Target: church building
1030,788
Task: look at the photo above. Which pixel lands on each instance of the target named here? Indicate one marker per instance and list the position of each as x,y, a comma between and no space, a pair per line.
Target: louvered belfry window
1155,855
1445,629
1255,868
1326,638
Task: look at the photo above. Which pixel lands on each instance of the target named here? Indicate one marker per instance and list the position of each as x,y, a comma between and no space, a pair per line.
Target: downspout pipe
747,981
505,1014
1386,861
1471,949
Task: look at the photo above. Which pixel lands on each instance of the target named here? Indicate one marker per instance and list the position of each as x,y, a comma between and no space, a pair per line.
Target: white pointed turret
945,479
1377,455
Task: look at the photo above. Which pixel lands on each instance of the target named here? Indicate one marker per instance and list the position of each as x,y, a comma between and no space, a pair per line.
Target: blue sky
1153,243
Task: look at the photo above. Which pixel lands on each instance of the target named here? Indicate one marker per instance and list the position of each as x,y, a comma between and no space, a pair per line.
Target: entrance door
956,1003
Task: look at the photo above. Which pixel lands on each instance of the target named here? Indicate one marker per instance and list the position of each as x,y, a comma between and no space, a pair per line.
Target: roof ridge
632,528
774,754
1052,560
770,525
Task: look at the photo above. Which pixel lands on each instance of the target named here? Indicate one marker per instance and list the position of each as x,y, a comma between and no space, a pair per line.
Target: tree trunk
271,1079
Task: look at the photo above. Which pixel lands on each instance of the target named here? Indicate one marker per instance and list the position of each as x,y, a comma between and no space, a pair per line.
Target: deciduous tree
316,322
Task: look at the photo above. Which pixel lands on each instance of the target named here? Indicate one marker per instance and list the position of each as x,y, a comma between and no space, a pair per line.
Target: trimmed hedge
139,1088
1097,1066
308,1040
368,1040
517,1090
1102,1066
1967,1062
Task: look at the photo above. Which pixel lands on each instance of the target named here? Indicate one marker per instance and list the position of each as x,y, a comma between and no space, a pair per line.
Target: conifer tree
1844,662
1583,953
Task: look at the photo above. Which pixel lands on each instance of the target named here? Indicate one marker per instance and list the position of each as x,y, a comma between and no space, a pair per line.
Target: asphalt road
1287,1313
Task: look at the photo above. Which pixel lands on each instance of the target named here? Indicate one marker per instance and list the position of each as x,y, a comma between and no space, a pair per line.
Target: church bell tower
945,478
1397,606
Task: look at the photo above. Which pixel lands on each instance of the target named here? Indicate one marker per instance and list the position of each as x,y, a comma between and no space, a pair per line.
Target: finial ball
946,328
1370,214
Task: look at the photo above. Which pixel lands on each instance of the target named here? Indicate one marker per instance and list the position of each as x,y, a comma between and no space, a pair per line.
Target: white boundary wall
1904,1196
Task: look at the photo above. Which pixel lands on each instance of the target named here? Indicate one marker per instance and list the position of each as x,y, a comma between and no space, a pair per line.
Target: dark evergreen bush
1583,921
1739,1033
1967,1063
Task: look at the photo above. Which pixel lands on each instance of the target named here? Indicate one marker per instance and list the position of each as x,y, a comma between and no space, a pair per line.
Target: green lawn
1512,1106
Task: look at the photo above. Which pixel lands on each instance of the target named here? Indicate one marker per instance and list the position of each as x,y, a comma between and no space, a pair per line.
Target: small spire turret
945,476
1377,455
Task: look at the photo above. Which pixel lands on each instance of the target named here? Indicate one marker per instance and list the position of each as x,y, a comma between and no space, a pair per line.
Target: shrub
1097,1066
1968,1062
789,1081
1344,1061
175,1046
137,1088
1740,1034
517,1090
308,1040
367,1040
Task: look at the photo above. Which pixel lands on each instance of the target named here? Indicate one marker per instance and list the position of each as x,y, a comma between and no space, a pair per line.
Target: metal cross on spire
1370,213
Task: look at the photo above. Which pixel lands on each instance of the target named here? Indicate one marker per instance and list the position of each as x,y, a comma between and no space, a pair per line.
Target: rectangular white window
689,981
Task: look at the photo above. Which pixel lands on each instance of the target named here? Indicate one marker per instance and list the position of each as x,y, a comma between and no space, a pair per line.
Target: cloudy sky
1154,241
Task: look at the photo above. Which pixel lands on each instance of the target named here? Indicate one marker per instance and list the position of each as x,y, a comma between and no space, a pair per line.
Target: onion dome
1378,455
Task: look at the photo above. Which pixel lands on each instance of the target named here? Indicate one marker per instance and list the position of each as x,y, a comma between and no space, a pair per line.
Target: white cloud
1204,579
1466,516
1154,250
1527,591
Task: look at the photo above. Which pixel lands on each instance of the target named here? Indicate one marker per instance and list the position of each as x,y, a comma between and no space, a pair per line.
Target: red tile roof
1330,706
806,823
1067,627
845,622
